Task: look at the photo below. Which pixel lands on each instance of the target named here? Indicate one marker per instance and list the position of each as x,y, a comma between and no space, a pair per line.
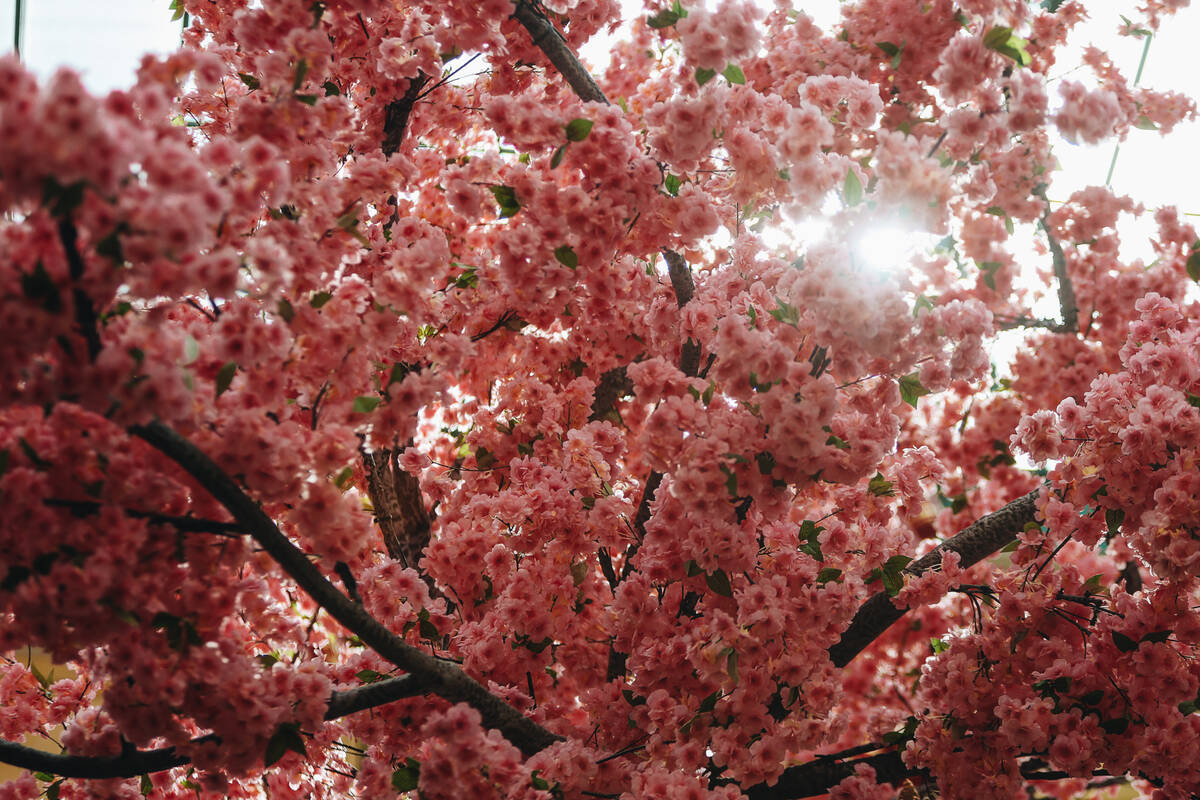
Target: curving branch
1068,306
439,677
399,506
132,763
548,39
973,543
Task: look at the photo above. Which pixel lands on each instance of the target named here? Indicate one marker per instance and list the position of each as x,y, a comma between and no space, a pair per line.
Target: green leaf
911,388
286,311
765,460
892,51
731,482
191,350
301,73
665,18
1113,517
331,89
1193,266
922,302
731,666
703,76
880,486
787,314
691,568
671,184
566,256
1052,5
307,99
557,158
1158,637
938,646
1145,123
578,129
286,737
733,73
145,786
719,582
538,782
989,268
828,574
406,778
366,403
250,81
1002,40
39,287
225,376
342,479
810,543
53,789
709,703
838,442
319,299
852,188
1123,642
506,198
425,626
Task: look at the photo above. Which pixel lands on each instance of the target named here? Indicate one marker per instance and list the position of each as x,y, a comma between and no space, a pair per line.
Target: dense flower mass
391,408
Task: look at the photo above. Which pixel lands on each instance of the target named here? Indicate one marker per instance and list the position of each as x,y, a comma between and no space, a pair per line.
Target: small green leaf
810,543
557,158
938,646
145,786
892,51
671,184
911,388
225,376
1123,642
566,256
827,574
250,81
286,737
331,89
1113,517
1158,637
301,73
506,198
286,311
578,129
307,99
1193,266
852,188
406,778
708,703
787,314
1002,40
733,73
880,486
366,403
191,350
342,479
319,299
703,76
666,18
719,582
1145,123
922,302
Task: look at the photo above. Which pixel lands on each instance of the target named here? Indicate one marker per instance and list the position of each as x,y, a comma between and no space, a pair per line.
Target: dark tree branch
441,678
612,386
547,39
399,507
1066,290
142,762
85,311
86,508
974,543
395,116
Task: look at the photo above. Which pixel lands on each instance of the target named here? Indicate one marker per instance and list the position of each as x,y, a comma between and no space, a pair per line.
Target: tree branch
446,680
395,116
547,39
974,543
399,507
142,762
85,311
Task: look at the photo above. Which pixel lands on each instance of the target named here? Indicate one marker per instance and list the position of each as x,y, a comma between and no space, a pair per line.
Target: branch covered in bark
973,543
441,678
132,763
548,39
399,507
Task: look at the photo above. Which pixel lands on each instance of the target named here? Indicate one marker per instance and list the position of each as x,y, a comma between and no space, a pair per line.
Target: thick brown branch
142,762
547,39
612,386
441,678
685,290
974,543
85,310
399,507
395,116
